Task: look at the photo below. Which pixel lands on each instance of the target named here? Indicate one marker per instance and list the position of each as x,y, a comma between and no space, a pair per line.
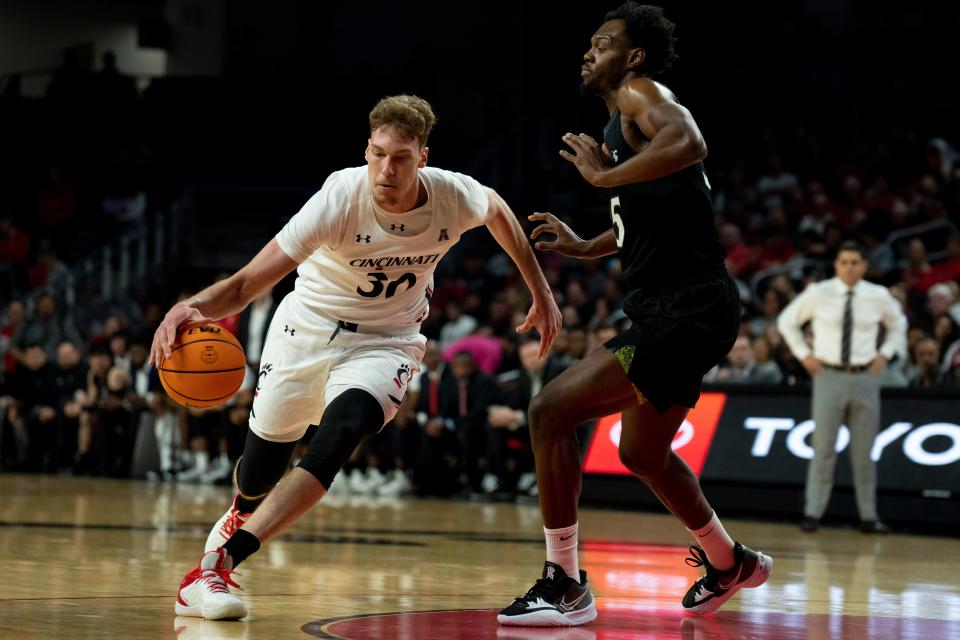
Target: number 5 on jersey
617,220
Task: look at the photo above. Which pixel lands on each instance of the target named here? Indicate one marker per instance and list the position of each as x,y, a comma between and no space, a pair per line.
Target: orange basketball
205,367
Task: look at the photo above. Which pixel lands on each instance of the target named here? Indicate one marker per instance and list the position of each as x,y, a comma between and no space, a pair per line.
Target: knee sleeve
352,416
261,466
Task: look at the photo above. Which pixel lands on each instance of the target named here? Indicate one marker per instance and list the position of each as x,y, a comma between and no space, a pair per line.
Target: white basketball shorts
309,359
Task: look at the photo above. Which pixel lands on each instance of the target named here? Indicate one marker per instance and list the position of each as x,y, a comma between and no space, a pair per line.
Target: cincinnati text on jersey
384,262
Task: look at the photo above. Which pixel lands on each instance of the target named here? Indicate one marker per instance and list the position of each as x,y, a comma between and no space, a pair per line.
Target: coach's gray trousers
852,399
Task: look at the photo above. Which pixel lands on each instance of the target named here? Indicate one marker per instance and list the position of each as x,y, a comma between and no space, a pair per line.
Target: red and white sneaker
226,526
204,592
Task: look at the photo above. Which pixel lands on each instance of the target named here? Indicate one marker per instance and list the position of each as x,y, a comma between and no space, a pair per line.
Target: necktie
847,329
434,397
463,397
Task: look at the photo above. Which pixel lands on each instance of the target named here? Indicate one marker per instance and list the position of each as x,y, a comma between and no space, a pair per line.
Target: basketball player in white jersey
343,345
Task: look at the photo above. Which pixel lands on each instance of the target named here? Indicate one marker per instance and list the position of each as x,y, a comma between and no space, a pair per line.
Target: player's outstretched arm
225,297
675,140
506,230
567,242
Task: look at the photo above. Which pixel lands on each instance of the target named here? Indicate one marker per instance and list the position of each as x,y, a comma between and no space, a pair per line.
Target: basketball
206,366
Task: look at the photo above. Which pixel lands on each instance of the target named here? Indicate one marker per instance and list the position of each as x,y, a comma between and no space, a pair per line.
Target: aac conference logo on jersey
692,442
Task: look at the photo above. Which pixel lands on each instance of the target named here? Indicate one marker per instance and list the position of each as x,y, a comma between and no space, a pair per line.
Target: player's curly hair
647,27
410,115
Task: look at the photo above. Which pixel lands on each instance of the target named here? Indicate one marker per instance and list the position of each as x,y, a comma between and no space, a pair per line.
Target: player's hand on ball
179,314
566,242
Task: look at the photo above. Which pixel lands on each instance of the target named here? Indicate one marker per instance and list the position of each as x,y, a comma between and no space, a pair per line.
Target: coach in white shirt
845,365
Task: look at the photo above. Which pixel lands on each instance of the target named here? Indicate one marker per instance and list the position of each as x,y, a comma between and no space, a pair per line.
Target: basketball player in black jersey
685,312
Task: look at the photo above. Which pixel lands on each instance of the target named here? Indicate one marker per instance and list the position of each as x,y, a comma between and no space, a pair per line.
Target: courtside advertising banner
766,438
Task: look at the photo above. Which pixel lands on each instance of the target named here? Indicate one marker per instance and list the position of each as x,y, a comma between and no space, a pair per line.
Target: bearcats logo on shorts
402,372
264,370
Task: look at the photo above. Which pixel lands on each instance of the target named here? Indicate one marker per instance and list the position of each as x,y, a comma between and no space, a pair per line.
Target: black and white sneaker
555,600
751,569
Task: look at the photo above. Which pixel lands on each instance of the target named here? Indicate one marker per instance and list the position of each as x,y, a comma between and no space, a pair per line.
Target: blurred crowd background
120,192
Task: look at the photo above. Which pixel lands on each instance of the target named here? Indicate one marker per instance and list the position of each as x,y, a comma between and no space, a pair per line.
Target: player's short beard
594,86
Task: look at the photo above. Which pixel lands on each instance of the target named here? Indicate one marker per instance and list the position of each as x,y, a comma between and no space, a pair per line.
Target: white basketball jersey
353,269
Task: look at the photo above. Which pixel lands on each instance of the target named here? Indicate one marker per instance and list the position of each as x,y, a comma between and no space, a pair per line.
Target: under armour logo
397,227
362,238
443,235
287,329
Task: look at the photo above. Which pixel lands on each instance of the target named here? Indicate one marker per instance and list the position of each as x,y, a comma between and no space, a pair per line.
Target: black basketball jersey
664,227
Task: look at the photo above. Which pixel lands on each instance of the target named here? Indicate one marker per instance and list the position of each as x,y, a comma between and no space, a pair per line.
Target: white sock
562,549
716,543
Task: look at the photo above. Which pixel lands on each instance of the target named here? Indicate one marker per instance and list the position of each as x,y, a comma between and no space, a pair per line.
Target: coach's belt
850,368
346,326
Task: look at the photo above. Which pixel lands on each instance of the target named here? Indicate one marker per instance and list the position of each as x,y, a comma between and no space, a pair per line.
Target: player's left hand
544,316
588,156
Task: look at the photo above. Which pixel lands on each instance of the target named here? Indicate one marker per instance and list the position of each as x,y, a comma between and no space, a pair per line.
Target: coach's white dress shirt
823,303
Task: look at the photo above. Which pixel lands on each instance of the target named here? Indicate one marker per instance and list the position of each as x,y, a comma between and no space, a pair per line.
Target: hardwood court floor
93,558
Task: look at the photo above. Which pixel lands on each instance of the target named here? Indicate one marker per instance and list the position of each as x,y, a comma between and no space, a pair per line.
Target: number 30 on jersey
377,287
617,220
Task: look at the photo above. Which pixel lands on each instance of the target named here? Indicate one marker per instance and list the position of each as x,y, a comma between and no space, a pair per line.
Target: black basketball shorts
678,334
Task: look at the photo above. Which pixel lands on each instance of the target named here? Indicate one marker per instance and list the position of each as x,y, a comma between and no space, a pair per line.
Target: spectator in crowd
458,324
845,364
14,256
46,328
739,254
487,351
92,400
10,337
433,473
465,397
577,344
949,269
940,300
880,255
918,276
770,308
202,428
508,421
945,330
119,350
741,366
32,414
928,373
776,186
68,380
115,424
951,365
766,369
48,272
